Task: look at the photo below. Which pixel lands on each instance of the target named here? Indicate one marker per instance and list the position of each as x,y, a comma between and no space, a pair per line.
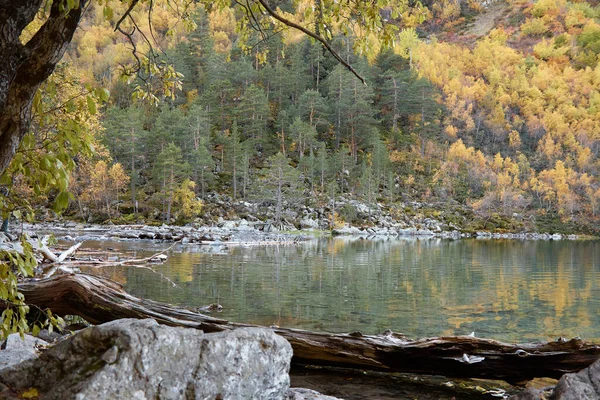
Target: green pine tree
170,170
281,183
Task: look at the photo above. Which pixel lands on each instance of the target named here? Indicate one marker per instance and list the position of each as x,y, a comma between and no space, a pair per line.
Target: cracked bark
24,67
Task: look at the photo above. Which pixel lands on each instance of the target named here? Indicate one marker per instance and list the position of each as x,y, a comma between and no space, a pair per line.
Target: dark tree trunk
100,300
24,67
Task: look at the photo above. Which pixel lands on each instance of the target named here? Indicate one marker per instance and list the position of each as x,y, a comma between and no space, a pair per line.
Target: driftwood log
101,300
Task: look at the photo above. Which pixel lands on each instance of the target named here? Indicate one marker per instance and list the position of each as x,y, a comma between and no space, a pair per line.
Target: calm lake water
509,290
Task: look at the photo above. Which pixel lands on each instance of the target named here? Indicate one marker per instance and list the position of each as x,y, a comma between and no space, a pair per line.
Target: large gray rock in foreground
583,385
139,359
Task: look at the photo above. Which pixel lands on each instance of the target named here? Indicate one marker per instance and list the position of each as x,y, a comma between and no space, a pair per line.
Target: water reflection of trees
511,290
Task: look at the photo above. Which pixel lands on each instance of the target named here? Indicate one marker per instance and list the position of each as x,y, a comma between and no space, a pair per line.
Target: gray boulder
347,230
16,350
229,225
407,232
128,234
583,385
308,223
139,359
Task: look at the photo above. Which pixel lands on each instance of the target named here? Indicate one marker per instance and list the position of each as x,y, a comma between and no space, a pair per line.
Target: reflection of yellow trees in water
499,289
337,246
465,314
457,322
558,286
183,270
531,288
116,273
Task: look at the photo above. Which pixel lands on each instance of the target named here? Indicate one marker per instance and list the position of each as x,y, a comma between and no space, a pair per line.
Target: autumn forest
492,107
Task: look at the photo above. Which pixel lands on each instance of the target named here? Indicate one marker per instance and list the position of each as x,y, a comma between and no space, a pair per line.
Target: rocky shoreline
239,221
354,217
242,231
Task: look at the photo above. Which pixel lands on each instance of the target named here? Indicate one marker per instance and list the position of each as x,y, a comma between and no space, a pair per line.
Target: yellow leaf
31,393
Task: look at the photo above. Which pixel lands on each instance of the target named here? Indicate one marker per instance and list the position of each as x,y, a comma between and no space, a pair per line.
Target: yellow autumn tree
104,186
185,200
118,181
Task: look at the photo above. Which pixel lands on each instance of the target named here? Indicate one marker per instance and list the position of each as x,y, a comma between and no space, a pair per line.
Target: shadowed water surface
503,289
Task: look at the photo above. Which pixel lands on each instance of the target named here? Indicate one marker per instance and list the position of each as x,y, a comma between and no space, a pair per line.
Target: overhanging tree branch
126,14
313,35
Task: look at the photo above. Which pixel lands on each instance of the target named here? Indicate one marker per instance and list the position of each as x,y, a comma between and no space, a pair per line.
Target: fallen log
101,300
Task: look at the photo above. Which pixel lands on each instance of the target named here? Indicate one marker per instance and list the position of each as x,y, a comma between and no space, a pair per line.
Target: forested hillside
488,107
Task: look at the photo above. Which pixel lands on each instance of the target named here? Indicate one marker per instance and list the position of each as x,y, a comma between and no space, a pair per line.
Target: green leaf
91,105
70,106
104,94
7,316
36,330
62,201
108,12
